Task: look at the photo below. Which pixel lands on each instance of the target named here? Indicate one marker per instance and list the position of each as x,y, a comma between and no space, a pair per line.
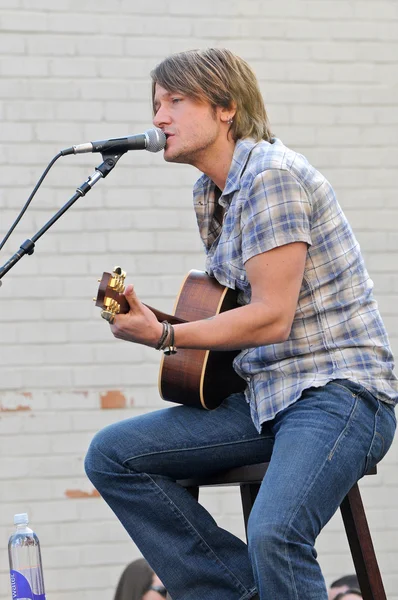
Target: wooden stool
249,479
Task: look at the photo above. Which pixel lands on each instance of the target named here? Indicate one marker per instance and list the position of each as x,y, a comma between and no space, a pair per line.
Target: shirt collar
240,157
204,195
238,165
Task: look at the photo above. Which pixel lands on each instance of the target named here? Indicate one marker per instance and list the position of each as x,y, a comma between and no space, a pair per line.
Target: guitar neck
161,316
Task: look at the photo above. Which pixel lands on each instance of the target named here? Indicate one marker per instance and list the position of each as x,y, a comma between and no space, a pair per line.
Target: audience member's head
349,595
342,586
134,581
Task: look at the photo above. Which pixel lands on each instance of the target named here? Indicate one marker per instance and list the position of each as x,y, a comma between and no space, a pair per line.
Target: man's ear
227,114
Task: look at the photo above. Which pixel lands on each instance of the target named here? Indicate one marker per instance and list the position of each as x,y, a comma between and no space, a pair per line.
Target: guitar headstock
110,294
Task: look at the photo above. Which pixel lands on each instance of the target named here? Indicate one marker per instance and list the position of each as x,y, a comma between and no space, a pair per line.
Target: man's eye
176,100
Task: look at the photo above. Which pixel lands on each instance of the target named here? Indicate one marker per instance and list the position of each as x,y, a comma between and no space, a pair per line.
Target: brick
123,68
94,89
148,47
218,28
11,44
15,66
28,111
110,353
55,88
24,445
328,9
62,131
141,241
50,45
389,134
23,21
356,115
81,111
68,23
113,399
307,72
363,30
101,45
156,7
306,29
314,114
45,5
115,111
73,67
11,355
382,11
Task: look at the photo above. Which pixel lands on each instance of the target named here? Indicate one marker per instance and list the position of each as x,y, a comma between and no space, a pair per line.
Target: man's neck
217,166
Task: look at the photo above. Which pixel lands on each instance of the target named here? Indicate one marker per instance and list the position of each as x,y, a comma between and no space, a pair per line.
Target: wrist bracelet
166,341
169,347
164,335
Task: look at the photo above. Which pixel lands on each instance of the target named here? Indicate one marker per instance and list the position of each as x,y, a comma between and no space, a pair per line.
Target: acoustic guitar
200,378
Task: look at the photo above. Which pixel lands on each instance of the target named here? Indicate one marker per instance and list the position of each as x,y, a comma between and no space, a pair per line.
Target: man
320,390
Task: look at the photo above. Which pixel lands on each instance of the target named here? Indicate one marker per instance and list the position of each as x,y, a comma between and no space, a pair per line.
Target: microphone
152,140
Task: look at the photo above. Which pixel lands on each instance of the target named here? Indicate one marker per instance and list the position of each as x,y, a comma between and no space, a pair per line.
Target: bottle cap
21,519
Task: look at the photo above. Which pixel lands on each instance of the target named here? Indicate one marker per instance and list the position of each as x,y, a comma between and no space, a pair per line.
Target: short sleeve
277,211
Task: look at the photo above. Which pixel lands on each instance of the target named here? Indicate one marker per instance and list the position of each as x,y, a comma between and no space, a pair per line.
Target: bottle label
20,588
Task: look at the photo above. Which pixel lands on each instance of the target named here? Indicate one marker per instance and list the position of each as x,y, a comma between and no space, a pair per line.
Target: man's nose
161,117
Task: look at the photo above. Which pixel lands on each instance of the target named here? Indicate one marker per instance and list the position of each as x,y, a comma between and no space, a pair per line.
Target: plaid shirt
272,197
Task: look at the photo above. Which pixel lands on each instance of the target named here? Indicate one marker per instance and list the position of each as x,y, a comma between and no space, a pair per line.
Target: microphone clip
109,162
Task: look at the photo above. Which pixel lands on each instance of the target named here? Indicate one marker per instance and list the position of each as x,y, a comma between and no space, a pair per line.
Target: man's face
192,127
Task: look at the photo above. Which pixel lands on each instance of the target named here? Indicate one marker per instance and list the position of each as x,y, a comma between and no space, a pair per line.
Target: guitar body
199,378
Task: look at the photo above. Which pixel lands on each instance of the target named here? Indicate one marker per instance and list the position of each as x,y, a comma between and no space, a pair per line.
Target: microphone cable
29,200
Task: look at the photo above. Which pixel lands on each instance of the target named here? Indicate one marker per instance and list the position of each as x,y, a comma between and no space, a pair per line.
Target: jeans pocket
385,426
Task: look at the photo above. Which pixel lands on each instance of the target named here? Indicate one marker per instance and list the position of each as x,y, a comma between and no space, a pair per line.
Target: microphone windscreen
156,140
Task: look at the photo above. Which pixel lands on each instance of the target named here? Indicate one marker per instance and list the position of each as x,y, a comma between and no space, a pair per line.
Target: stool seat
249,479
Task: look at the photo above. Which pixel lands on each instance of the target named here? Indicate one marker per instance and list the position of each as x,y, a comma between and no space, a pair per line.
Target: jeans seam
374,436
327,460
251,591
289,524
189,449
180,515
346,428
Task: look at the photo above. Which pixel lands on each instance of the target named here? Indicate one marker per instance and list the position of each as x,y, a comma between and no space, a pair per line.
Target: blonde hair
217,76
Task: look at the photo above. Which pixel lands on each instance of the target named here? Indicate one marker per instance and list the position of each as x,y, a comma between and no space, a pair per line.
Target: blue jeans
320,446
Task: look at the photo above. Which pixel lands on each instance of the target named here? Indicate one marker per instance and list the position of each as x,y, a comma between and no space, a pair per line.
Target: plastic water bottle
26,570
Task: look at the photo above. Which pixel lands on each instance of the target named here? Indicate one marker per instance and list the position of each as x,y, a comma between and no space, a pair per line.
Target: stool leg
361,546
248,494
194,491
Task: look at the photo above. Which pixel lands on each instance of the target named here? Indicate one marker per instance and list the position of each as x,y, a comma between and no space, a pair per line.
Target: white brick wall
71,71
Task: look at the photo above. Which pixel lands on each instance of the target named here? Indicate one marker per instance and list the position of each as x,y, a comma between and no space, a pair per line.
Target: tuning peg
119,271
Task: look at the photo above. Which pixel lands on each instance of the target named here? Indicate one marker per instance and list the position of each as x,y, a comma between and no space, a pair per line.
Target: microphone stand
28,246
